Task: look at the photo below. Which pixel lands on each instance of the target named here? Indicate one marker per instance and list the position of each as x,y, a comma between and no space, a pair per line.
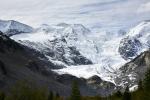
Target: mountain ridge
11,27
73,49
25,64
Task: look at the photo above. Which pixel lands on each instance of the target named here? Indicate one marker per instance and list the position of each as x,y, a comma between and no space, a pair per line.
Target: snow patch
133,88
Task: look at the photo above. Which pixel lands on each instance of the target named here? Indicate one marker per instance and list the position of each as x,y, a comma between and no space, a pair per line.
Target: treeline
24,91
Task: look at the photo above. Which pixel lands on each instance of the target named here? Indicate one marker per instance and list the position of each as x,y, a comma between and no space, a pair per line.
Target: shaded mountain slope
133,71
19,63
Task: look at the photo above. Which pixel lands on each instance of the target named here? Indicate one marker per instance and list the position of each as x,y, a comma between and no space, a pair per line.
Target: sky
95,14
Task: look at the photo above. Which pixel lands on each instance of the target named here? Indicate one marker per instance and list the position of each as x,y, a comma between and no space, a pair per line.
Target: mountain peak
12,27
63,24
141,28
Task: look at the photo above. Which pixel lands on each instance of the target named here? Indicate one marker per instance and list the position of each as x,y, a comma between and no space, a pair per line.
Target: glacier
99,47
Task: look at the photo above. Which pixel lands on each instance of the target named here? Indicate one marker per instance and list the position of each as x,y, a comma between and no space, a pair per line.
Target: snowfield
99,47
106,72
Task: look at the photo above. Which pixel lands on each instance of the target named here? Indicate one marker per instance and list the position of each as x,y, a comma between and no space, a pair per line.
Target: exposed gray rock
104,87
60,51
133,71
129,47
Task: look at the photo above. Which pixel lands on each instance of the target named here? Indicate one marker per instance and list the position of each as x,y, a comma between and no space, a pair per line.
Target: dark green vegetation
23,91
142,93
75,95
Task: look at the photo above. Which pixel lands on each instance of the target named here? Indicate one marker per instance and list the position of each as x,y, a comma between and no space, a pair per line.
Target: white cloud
104,13
144,8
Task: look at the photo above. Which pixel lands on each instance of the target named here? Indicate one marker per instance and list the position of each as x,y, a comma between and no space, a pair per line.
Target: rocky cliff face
129,47
58,50
136,41
133,71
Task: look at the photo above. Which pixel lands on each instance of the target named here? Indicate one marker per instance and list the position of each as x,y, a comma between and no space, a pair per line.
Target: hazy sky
108,14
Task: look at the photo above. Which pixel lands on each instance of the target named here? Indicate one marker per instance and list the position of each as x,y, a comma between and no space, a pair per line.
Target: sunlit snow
100,47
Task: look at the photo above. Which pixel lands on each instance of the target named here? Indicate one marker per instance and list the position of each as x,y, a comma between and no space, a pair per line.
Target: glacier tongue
105,72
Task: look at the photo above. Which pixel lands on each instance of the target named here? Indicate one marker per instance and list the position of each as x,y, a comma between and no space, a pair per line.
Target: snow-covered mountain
74,44
97,47
136,41
116,50
11,27
85,53
142,33
57,42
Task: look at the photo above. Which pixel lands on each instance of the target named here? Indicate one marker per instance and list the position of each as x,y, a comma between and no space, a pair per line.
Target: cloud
107,14
144,8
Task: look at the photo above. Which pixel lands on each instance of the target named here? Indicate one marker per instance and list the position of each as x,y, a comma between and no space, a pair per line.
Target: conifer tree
75,95
50,96
2,96
140,85
127,94
24,91
118,94
146,85
146,82
57,96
